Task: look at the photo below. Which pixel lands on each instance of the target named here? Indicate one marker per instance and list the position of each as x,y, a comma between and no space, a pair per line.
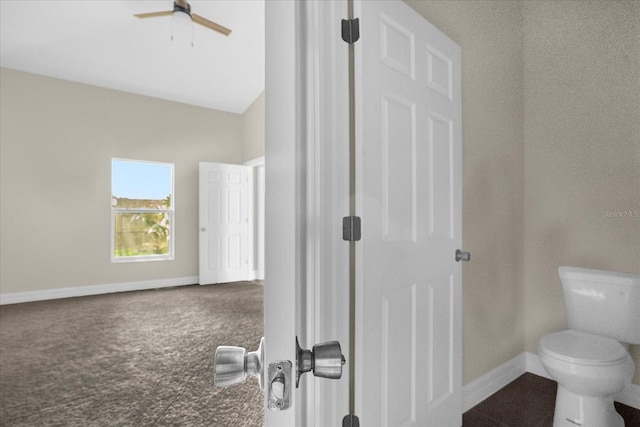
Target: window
142,210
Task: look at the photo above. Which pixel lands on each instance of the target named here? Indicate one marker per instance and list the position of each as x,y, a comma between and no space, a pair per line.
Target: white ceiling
101,43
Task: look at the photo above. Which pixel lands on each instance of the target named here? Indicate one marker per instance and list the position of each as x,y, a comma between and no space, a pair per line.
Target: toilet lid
583,348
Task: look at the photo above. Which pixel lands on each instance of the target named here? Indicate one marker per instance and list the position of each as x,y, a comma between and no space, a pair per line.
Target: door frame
256,219
306,147
325,202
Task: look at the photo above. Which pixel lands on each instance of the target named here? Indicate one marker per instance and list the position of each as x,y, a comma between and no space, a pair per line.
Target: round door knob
232,364
229,365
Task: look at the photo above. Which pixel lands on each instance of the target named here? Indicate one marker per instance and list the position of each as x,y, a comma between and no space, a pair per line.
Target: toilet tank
605,303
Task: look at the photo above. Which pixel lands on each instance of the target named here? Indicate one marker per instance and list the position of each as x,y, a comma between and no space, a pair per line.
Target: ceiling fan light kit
181,16
181,23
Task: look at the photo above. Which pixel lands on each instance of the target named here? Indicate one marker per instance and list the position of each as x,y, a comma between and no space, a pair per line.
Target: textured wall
551,115
490,34
57,139
582,149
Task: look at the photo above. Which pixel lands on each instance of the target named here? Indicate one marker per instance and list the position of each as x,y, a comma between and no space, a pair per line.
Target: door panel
408,370
224,233
398,167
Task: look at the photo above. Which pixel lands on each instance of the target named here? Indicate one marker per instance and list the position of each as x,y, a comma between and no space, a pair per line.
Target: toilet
590,360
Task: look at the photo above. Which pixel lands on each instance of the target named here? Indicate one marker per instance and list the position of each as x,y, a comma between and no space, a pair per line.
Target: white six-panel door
224,218
408,348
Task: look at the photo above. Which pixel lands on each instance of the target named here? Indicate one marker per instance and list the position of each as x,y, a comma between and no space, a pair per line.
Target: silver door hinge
351,30
351,228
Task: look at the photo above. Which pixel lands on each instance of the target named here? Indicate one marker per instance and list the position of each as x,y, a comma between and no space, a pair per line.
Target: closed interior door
224,219
408,344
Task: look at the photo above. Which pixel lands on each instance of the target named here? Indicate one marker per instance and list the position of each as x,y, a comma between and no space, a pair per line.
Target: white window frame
171,211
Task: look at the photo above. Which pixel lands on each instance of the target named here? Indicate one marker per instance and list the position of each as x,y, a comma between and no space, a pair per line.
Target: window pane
137,184
139,234
142,209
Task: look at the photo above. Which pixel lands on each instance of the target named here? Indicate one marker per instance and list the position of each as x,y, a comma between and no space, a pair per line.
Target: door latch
279,392
325,360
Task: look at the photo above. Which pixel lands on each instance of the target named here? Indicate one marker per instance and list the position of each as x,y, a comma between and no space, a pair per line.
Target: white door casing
256,218
306,261
325,295
294,245
259,223
408,340
224,222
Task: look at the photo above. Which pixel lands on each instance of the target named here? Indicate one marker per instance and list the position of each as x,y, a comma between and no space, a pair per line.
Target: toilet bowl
589,370
588,360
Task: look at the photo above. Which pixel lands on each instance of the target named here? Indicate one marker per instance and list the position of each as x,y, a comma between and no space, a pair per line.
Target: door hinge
351,30
350,421
351,228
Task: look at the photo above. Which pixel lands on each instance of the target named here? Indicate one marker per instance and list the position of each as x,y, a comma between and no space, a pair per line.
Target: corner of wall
253,129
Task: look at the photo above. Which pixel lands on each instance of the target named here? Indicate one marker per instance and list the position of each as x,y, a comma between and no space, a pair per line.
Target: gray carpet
129,359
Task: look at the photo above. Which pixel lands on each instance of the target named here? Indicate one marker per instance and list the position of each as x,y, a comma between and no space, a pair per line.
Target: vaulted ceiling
102,43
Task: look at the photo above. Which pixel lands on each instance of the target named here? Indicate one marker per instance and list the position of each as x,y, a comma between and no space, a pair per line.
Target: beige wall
582,149
551,143
490,34
253,129
57,139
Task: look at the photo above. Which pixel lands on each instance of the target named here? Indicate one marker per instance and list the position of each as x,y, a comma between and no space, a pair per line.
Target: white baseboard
479,389
80,291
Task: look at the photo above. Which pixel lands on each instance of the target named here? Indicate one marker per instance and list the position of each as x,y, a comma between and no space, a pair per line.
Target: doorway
256,221
231,218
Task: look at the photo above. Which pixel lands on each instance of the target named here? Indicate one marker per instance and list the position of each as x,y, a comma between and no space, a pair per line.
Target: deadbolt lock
325,360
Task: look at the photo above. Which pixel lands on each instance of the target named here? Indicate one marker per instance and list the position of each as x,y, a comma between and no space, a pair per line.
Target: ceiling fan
181,6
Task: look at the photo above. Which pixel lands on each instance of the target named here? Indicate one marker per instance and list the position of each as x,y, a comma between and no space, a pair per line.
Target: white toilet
590,360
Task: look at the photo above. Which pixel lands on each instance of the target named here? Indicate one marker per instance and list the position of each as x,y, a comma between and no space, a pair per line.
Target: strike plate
279,385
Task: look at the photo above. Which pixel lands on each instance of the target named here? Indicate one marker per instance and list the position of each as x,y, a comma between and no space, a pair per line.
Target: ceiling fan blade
154,14
210,24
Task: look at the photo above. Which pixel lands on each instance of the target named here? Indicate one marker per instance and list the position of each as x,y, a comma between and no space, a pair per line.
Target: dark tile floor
529,401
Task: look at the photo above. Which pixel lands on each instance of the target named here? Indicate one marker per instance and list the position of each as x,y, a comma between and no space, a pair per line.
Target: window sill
142,258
